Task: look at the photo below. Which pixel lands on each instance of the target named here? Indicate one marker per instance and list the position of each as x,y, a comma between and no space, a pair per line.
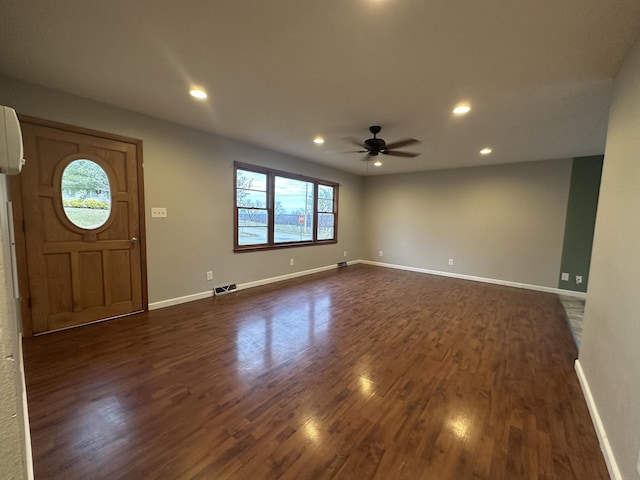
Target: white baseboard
571,293
605,446
559,291
178,300
199,296
288,276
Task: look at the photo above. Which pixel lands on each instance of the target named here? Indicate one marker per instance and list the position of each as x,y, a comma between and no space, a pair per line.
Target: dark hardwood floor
358,373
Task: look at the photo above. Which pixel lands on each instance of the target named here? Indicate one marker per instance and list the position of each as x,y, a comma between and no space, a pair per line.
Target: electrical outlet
451,261
158,212
291,261
344,254
380,253
209,275
578,279
564,277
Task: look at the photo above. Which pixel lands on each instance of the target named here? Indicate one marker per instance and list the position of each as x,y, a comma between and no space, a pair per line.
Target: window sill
258,248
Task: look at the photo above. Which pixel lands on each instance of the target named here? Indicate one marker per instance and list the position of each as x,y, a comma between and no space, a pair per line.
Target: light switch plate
158,212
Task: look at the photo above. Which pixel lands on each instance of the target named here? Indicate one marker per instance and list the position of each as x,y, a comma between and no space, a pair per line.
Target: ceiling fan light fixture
318,140
462,109
377,146
198,93
485,151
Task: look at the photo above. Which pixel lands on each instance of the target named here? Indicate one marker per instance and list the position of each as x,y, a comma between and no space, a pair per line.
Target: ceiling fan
374,146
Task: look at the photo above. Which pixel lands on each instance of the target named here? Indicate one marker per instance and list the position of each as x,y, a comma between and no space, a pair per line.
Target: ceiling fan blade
401,143
396,153
346,151
355,141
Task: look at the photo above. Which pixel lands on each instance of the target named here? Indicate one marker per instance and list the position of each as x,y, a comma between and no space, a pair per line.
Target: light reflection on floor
266,339
312,431
101,419
459,424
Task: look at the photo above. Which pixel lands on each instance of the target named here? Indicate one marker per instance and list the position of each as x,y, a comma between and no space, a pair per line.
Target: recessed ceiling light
197,93
485,151
462,109
318,140
377,163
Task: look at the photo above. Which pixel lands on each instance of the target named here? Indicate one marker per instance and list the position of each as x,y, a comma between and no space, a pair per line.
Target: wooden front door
73,268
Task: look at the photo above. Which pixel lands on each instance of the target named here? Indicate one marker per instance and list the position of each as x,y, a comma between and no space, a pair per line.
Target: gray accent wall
190,172
581,221
503,222
610,353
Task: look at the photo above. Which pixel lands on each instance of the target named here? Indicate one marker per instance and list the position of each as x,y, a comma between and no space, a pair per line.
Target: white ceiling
538,74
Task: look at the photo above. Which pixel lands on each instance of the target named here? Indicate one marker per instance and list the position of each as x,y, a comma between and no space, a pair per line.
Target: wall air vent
342,264
223,290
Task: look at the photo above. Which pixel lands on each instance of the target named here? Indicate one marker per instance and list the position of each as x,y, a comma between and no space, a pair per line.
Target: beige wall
610,356
190,173
501,222
13,446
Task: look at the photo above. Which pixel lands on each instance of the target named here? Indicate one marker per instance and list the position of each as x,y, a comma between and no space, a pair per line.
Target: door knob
134,240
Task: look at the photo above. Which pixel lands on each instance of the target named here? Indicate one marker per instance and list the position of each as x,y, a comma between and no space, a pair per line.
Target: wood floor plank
362,373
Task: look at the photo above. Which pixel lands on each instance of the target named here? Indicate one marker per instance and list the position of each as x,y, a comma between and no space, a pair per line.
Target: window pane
293,210
252,235
251,180
325,191
252,226
250,198
325,198
86,194
325,226
249,217
251,189
293,228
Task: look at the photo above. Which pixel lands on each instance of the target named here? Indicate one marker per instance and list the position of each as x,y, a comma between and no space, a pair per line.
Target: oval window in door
86,194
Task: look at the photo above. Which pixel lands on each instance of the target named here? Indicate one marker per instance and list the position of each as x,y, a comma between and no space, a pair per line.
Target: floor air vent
225,289
342,264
